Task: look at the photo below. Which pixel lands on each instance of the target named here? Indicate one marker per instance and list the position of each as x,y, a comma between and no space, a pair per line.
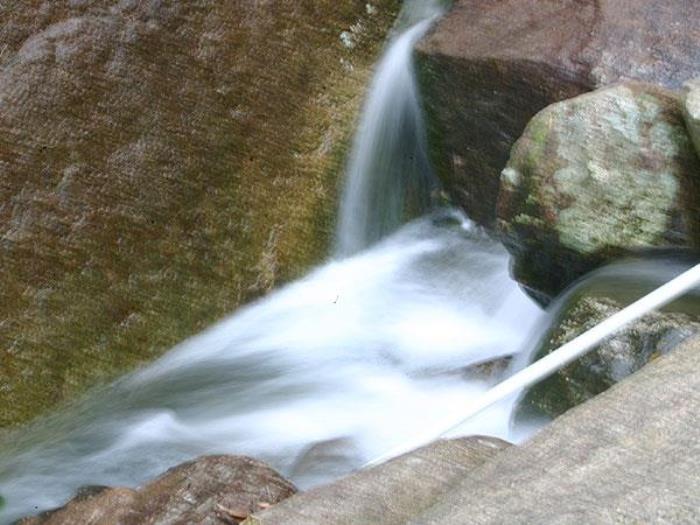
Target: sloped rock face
595,177
652,336
391,493
160,164
631,455
209,491
488,67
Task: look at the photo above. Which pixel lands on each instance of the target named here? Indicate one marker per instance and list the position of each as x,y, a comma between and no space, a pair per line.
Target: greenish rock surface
595,177
618,357
488,67
691,105
160,164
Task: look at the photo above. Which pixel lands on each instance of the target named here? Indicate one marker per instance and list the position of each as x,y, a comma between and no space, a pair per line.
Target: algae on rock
601,175
160,164
691,106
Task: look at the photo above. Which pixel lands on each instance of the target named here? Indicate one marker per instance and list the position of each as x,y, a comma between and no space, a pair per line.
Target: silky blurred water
328,372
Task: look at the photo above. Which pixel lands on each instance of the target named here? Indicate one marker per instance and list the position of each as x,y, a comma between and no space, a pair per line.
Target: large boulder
160,164
691,105
209,491
487,67
595,177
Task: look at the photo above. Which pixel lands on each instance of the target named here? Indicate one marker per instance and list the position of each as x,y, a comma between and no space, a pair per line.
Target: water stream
328,372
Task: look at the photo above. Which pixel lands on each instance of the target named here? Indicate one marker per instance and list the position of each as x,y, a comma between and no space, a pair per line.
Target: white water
323,375
364,352
389,176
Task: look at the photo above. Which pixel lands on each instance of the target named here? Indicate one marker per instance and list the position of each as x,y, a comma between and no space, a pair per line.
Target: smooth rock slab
596,177
631,455
208,491
388,494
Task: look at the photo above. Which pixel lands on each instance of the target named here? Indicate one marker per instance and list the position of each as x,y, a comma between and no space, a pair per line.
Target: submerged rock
208,491
160,164
596,177
643,341
691,105
488,67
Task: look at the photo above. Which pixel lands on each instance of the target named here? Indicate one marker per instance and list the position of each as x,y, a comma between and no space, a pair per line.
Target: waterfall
330,371
388,176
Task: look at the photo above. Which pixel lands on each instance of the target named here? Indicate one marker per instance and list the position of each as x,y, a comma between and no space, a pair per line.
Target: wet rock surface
647,339
210,490
160,164
488,67
597,177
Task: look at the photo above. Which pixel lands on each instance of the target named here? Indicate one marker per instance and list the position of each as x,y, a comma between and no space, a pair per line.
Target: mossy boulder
596,177
160,164
646,339
487,68
691,105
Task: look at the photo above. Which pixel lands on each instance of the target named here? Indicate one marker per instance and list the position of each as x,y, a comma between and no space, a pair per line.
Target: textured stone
644,340
160,164
595,177
691,105
630,455
389,494
488,67
209,491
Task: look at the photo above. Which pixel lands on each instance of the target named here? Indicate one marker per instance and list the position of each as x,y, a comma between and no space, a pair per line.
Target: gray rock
691,100
209,491
618,357
630,455
390,494
595,177
488,67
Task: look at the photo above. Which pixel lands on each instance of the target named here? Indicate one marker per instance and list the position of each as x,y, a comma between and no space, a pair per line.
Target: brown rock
209,491
160,164
488,67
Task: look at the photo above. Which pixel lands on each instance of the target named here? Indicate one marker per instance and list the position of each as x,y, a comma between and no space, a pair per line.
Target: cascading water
323,375
389,176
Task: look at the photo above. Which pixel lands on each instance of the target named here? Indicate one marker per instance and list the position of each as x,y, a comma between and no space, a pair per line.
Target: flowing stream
328,372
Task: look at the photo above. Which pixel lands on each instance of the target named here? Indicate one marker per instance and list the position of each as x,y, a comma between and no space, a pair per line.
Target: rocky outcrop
652,336
691,105
209,491
595,177
390,494
631,455
487,67
160,164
